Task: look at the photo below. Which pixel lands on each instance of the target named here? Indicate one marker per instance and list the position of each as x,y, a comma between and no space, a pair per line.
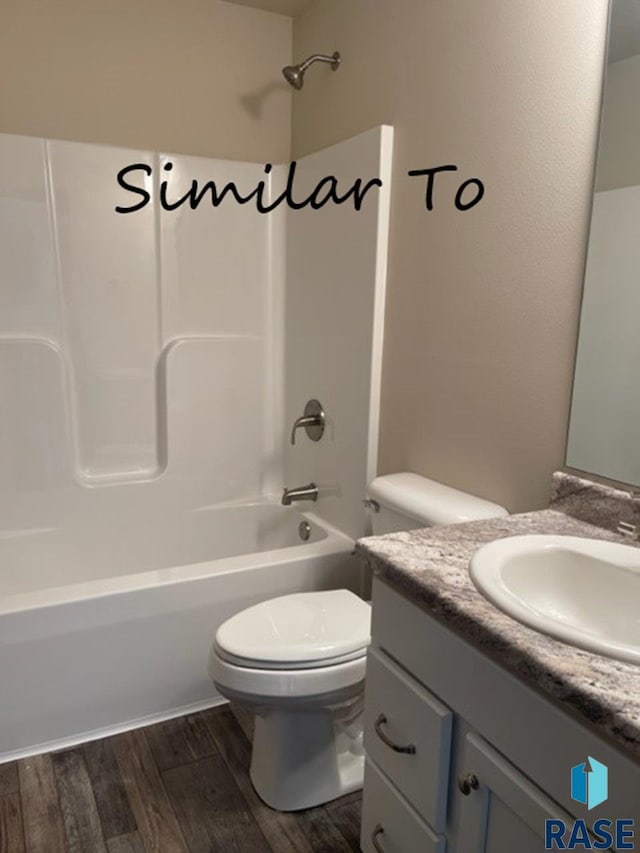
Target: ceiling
624,40
283,7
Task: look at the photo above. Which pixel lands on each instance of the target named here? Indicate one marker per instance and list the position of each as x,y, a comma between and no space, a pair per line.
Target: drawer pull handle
375,835
467,783
379,723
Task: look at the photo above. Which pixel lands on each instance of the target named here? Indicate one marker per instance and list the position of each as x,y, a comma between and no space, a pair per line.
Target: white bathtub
106,628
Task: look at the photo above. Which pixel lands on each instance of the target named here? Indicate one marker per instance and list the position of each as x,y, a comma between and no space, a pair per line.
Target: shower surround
151,365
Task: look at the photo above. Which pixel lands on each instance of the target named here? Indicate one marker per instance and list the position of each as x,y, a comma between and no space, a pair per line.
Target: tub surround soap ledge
430,567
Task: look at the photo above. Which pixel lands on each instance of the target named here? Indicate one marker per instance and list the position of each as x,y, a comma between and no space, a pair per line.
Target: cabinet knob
409,749
375,835
467,783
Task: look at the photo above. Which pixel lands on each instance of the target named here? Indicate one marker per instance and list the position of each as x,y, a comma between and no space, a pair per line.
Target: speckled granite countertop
430,566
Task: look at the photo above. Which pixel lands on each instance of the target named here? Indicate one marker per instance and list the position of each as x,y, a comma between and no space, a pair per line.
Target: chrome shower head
294,74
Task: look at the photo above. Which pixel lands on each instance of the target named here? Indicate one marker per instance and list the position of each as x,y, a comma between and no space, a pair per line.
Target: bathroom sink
585,592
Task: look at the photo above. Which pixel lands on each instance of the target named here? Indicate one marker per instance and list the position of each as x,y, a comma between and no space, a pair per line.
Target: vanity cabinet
462,756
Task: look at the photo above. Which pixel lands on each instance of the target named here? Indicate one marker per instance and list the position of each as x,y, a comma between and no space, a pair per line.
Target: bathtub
105,628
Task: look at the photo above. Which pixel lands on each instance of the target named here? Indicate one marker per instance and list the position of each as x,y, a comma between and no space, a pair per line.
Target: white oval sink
585,592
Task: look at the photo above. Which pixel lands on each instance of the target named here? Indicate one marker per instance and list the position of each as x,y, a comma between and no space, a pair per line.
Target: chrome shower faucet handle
313,421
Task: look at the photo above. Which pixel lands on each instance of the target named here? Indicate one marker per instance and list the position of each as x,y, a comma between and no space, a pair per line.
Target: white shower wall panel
221,307
35,451
214,259
215,428
136,349
28,298
108,284
335,291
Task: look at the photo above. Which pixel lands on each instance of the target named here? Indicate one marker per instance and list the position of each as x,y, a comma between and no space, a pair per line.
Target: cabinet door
505,812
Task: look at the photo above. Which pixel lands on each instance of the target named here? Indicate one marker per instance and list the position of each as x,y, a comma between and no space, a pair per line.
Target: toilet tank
406,501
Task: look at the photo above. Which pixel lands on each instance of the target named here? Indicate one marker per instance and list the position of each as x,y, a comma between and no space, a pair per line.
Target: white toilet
298,662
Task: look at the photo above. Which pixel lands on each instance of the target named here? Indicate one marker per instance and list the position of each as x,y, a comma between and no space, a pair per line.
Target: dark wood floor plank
346,815
41,815
111,798
11,833
180,741
77,803
129,843
157,824
211,810
322,833
282,830
9,783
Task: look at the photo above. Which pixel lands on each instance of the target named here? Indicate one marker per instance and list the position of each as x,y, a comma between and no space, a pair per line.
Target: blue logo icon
590,783
589,786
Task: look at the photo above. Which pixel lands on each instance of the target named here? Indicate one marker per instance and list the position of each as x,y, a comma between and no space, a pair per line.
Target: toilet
298,661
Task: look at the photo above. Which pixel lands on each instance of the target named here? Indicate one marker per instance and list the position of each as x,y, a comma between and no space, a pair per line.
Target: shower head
294,74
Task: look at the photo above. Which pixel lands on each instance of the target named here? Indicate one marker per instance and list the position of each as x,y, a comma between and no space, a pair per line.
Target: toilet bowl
298,662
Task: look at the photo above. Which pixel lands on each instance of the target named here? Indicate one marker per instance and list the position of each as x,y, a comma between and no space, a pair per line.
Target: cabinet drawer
407,733
389,824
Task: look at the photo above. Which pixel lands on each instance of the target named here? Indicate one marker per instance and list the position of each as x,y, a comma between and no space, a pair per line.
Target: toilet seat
289,665
301,631
264,684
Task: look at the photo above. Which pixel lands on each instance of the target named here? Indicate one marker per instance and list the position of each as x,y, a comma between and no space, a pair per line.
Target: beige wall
619,157
188,76
482,307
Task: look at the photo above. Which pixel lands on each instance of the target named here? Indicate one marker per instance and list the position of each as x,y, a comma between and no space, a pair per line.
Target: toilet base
303,758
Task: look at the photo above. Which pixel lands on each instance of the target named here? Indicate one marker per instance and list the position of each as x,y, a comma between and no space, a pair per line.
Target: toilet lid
293,631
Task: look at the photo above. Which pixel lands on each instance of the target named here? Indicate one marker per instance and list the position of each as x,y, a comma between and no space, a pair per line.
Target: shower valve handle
313,421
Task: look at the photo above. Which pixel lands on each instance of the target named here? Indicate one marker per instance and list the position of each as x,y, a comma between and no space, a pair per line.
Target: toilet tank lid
430,502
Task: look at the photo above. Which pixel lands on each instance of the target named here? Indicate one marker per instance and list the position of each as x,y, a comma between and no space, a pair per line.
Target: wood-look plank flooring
176,787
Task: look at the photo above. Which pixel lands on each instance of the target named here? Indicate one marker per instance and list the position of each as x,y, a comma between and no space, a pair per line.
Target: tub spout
301,493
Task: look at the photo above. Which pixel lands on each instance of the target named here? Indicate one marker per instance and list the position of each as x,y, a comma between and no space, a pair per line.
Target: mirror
604,431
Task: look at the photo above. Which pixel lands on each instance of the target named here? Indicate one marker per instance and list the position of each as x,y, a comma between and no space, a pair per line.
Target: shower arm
320,57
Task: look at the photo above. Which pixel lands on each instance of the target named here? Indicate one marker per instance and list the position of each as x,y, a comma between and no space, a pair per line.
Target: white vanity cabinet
462,756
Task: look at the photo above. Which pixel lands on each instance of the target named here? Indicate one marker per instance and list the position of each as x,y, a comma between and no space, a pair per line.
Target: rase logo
589,786
590,783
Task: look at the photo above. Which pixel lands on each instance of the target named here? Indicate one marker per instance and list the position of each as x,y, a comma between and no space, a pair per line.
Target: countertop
430,567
